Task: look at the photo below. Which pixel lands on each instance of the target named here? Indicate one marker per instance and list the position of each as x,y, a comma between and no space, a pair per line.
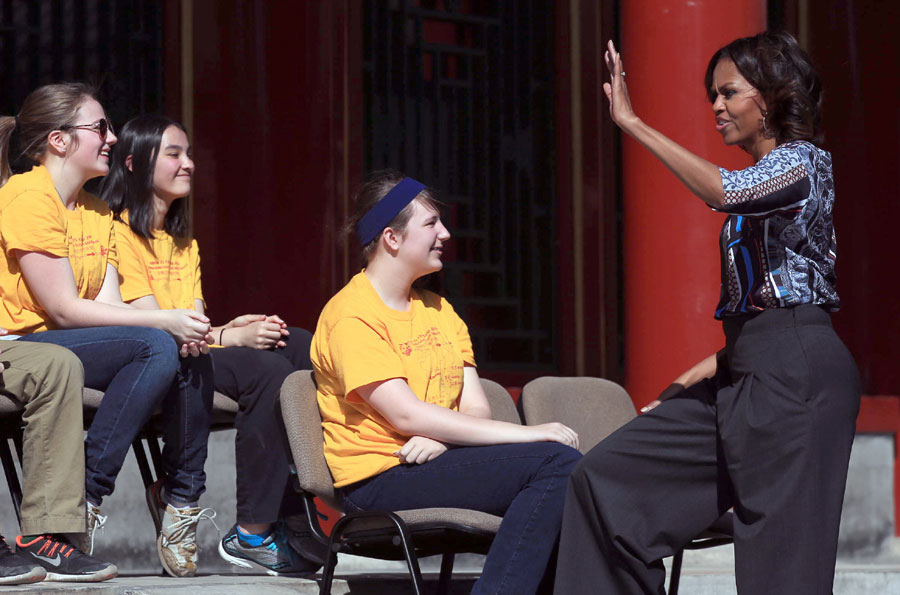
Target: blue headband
386,209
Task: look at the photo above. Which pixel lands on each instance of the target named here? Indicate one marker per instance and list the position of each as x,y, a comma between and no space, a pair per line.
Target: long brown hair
23,139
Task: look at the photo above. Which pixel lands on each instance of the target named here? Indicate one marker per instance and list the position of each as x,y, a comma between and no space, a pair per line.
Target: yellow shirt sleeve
33,222
133,280
360,356
463,342
112,257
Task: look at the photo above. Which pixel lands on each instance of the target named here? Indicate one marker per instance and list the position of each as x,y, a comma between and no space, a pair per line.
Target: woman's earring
765,115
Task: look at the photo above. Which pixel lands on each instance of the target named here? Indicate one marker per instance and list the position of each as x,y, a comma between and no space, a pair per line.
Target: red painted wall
272,101
671,257
277,137
856,47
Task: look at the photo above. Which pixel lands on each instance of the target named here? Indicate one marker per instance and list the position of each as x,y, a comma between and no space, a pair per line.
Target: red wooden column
671,261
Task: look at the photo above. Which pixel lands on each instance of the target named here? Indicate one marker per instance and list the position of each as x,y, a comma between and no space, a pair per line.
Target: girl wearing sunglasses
60,285
147,188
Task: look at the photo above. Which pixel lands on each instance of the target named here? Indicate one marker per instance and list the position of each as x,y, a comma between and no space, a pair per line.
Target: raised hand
616,90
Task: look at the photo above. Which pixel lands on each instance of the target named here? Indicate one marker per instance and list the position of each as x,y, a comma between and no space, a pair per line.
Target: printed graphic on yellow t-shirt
165,267
34,219
358,341
430,355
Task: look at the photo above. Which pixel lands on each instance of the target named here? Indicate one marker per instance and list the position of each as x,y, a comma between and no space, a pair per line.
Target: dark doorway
461,96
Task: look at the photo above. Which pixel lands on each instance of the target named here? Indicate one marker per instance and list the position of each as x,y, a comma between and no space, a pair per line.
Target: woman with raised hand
407,424
159,268
766,424
60,285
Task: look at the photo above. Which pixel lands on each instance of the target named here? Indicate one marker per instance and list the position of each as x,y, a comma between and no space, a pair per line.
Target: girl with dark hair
60,285
147,188
765,425
407,424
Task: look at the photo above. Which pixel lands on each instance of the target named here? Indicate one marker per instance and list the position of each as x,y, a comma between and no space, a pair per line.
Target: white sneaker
95,521
177,542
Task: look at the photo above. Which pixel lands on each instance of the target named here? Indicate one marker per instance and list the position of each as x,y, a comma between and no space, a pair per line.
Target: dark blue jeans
523,483
139,371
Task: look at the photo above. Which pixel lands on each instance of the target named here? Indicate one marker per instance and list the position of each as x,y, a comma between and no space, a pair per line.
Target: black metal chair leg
141,456
17,442
675,575
155,454
446,573
328,567
403,538
412,560
12,478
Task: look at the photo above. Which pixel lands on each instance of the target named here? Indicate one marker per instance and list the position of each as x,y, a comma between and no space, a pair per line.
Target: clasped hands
256,331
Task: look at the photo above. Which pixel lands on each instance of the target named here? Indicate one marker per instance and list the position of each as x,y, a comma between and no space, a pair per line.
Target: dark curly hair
782,72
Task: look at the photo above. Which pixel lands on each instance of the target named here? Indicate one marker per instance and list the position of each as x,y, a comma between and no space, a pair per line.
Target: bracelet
222,330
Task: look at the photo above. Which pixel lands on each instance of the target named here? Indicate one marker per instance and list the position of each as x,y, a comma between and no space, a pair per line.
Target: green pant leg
48,381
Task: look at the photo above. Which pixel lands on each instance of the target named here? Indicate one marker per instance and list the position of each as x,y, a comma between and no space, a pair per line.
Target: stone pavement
237,585
708,572
869,561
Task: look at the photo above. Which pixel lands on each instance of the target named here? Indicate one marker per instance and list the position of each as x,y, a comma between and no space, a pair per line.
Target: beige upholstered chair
595,408
398,535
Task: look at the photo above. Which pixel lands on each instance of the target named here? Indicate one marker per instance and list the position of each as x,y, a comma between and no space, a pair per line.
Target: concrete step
861,580
869,563
387,584
705,572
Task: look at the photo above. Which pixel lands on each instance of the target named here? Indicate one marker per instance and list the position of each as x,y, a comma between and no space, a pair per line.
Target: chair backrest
303,423
502,406
593,407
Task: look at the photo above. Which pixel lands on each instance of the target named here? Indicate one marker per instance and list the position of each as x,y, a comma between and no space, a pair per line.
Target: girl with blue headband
406,422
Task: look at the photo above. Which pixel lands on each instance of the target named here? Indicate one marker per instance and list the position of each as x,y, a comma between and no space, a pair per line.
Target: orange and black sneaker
16,570
63,561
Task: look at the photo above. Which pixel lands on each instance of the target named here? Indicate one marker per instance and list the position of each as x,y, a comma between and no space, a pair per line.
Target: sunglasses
102,127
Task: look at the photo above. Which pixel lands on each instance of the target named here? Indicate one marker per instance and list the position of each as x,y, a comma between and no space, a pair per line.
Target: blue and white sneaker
274,554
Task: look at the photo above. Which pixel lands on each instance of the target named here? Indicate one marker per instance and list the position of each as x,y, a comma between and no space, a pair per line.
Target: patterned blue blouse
778,245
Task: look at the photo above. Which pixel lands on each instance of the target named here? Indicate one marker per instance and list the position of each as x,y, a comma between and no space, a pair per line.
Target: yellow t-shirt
360,340
34,219
165,267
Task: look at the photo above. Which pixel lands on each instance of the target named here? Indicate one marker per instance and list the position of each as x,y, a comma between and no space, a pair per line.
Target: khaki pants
48,380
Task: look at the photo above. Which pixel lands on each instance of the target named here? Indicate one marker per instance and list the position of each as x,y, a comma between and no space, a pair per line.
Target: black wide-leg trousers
769,435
